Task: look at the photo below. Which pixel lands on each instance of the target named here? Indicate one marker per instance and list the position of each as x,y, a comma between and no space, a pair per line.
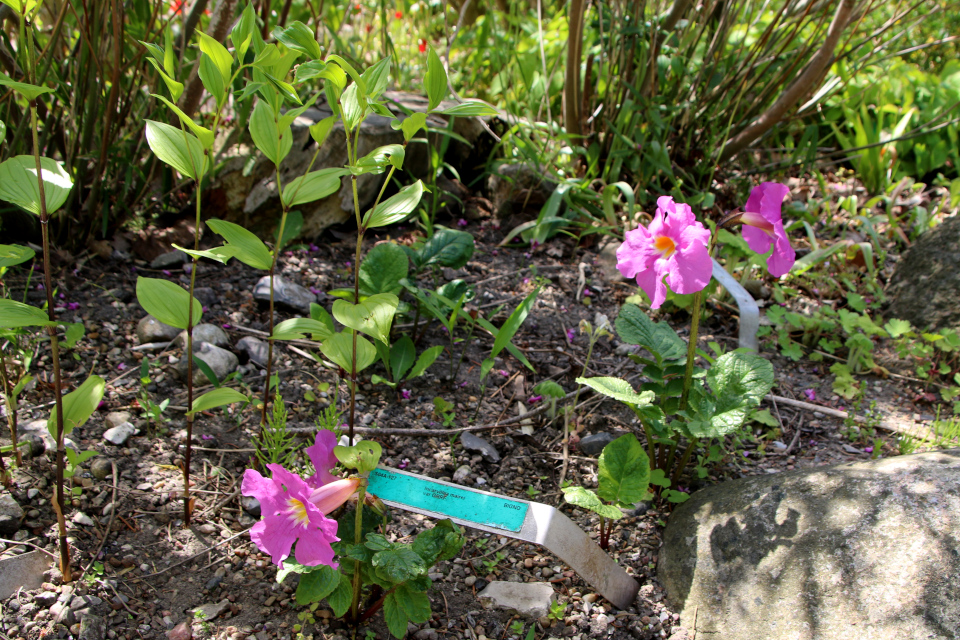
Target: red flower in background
369,28
398,15
177,5
357,7
422,45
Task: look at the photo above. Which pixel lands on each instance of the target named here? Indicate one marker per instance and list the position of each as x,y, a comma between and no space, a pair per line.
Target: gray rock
119,434
251,505
37,429
209,333
116,418
35,447
221,361
593,444
471,442
10,514
863,549
285,294
211,611
62,614
84,602
46,598
515,188
101,467
530,599
253,349
83,519
92,628
462,473
925,282
173,258
24,571
149,329
206,296
607,259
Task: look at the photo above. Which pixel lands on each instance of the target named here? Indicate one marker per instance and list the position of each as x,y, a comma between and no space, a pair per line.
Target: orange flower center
665,245
298,512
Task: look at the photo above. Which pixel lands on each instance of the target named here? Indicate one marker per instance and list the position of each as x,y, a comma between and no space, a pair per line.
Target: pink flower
461,222
405,393
811,395
674,247
868,449
587,292
571,335
321,455
294,513
764,226
73,306
534,399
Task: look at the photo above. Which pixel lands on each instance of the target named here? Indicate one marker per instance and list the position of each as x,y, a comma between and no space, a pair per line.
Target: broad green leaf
204,135
219,55
315,185
299,37
217,398
341,597
415,603
15,314
167,302
78,405
512,325
14,254
72,335
317,584
485,368
175,88
618,390
895,328
382,269
243,32
290,115
320,314
402,356
434,80
363,456
298,328
373,316
220,254
346,66
470,108
211,79
377,379
353,106
250,250
339,349
180,150
447,248
740,376
76,459
335,75
439,544
321,130
395,208
427,358
635,327
21,6
395,616
376,78
411,125
19,184
549,388
624,471
399,564
28,91
587,499
378,159
272,143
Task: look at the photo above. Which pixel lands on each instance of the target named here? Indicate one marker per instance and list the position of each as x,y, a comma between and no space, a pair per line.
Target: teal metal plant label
455,502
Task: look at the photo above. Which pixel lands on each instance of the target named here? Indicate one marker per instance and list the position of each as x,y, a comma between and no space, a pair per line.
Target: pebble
119,434
101,467
251,505
593,444
471,442
462,473
470,581
45,598
82,519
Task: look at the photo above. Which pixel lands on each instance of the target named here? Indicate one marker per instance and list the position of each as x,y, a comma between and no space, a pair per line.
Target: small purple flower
534,399
289,253
404,463
405,393
764,226
226,326
63,297
587,292
314,248
315,291
122,366
461,222
165,272
811,395
571,335
188,269
495,252
813,443
206,437
534,244
746,454
527,255
868,449
348,264
526,281
40,287
204,309
463,384
504,373
73,306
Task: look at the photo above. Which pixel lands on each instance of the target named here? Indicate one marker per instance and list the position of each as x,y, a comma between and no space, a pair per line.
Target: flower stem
691,348
358,530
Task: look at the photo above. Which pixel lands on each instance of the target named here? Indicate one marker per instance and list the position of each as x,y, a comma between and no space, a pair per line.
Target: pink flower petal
763,222
332,495
321,455
274,535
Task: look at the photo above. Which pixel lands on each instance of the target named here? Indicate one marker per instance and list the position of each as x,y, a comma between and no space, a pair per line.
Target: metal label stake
520,519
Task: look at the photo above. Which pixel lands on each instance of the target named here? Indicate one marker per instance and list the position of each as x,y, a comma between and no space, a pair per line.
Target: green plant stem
691,348
189,355
358,526
11,409
464,350
683,462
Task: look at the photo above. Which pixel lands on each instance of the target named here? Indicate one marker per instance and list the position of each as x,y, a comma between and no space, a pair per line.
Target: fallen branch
920,432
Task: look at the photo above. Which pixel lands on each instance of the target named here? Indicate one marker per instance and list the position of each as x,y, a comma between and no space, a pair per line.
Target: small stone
211,611
149,329
206,296
169,259
62,614
213,583
82,519
180,632
462,473
207,529
531,599
119,434
252,350
470,580
92,627
593,444
116,418
471,442
528,563
849,449
590,597
46,598
10,514
221,361
209,333
546,572
251,505
285,294
101,467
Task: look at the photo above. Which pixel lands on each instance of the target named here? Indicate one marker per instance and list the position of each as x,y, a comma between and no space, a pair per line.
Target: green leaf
342,596
297,328
376,161
219,55
315,185
299,37
217,398
439,544
399,564
447,248
895,328
321,315
549,388
207,371
395,616
180,150
15,314
211,79
373,316
272,143
427,358
250,250
3,131
321,130
470,108
739,380
415,603
434,80
353,107
242,33
19,184
382,270
78,405
395,208
167,302
220,254
587,499
339,349
28,91
411,125
175,88
402,356
512,325
634,327
75,331
317,584
363,456
624,471
376,78
618,390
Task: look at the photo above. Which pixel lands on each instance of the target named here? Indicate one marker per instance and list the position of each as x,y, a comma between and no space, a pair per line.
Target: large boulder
861,550
245,190
925,286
